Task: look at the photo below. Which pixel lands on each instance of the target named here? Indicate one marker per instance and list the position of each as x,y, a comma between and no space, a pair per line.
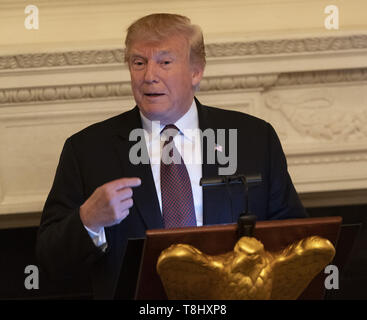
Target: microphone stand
246,221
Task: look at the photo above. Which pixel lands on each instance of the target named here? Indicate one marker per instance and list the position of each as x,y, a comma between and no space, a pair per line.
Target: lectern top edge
259,224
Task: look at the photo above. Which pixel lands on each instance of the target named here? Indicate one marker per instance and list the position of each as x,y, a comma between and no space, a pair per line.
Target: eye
166,62
138,64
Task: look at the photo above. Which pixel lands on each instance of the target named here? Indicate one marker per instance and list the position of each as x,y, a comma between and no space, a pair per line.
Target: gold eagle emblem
248,272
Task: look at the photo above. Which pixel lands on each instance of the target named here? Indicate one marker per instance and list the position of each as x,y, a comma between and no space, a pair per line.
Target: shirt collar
190,120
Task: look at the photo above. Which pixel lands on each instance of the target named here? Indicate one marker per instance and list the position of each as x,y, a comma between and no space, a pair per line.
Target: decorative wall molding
321,77
287,46
213,50
328,158
62,59
259,81
47,93
64,93
113,90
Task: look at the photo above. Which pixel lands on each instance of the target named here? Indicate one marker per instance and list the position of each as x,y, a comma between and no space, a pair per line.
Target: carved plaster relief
67,92
315,114
213,50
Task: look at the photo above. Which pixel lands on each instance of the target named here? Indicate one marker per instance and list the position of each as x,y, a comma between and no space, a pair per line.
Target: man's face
162,78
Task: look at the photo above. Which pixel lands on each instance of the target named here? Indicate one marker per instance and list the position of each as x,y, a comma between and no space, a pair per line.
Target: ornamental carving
61,59
213,50
268,47
123,89
72,92
315,77
208,84
314,114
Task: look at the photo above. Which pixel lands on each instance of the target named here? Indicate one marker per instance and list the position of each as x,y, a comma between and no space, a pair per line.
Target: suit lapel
145,196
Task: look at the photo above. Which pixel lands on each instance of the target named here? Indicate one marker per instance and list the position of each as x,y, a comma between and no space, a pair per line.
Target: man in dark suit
100,198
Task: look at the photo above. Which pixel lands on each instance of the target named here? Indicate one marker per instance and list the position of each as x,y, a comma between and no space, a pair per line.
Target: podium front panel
219,239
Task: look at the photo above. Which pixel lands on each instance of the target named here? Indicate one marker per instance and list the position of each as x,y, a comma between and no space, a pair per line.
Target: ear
197,75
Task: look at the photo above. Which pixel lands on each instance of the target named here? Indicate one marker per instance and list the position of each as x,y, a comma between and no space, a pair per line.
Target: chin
155,114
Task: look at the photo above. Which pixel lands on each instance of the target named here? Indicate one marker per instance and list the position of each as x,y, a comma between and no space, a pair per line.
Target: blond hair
159,26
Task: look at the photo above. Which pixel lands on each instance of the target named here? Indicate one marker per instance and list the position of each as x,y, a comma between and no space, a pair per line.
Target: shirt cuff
99,239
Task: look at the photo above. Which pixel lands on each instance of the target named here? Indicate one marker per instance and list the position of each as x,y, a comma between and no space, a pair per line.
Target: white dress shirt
188,146
190,150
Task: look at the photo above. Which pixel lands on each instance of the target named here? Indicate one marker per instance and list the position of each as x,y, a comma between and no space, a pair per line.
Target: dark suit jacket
100,153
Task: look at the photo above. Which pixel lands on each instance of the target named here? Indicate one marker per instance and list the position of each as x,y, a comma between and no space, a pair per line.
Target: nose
151,72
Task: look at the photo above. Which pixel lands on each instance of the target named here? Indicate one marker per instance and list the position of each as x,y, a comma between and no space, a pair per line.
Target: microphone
251,180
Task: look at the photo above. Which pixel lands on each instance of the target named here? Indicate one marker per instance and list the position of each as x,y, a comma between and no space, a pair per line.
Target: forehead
176,45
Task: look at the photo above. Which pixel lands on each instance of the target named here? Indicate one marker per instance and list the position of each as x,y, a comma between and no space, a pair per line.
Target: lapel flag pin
218,147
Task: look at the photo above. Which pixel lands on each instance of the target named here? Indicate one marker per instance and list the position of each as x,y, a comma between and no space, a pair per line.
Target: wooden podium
219,239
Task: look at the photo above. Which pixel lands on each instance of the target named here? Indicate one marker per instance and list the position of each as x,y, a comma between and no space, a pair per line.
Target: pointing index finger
127,183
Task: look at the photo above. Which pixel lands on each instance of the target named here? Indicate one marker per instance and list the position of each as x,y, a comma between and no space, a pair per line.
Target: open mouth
154,94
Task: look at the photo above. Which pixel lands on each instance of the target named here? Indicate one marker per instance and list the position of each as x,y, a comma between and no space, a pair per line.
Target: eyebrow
163,52
135,55
160,53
